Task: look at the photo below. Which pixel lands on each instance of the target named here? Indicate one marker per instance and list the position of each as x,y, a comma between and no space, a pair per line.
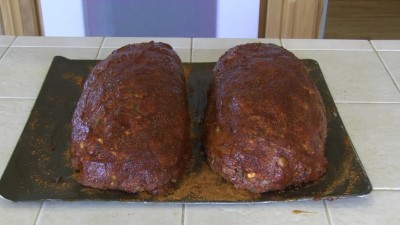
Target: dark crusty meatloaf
265,120
130,129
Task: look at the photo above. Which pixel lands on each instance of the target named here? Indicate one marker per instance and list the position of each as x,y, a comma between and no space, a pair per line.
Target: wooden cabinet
363,19
293,18
19,17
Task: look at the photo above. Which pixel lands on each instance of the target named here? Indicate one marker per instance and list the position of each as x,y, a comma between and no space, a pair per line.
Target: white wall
62,17
237,18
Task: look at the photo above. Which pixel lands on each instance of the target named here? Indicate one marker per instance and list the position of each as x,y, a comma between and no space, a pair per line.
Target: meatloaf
130,129
265,120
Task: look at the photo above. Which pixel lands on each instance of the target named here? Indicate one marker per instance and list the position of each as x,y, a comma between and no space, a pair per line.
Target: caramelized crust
265,120
130,129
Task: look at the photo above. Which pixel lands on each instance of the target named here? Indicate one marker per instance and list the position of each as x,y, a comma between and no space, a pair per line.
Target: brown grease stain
187,70
76,78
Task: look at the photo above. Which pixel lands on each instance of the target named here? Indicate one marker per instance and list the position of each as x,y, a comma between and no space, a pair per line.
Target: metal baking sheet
39,168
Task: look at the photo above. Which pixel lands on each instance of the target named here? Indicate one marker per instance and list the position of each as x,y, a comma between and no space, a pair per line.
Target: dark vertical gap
281,20
2,32
262,18
293,20
39,18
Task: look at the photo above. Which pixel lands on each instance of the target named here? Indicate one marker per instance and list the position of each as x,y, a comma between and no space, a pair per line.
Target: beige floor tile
374,130
326,44
392,62
23,70
305,212
65,42
354,76
386,45
5,41
379,207
21,213
109,213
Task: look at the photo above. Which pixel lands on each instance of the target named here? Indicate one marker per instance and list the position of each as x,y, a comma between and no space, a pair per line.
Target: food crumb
217,129
251,175
317,198
282,162
330,199
296,211
100,140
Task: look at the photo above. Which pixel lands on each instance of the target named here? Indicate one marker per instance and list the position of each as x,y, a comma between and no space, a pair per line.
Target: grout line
330,49
11,43
15,39
183,214
386,189
373,46
101,46
388,50
17,98
330,222
363,102
388,71
300,49
7,49
382,50
47,46
55,46
3,55
39,212
191,49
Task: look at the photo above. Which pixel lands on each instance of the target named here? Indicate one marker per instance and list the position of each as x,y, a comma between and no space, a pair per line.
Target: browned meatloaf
265,120
130,129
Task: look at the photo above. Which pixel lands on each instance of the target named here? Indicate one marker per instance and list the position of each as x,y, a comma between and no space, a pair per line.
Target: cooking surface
40,169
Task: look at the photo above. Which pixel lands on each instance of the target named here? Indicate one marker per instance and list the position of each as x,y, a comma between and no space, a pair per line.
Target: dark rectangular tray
39,168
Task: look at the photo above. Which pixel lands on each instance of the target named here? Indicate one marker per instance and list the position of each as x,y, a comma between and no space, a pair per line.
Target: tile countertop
363,77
